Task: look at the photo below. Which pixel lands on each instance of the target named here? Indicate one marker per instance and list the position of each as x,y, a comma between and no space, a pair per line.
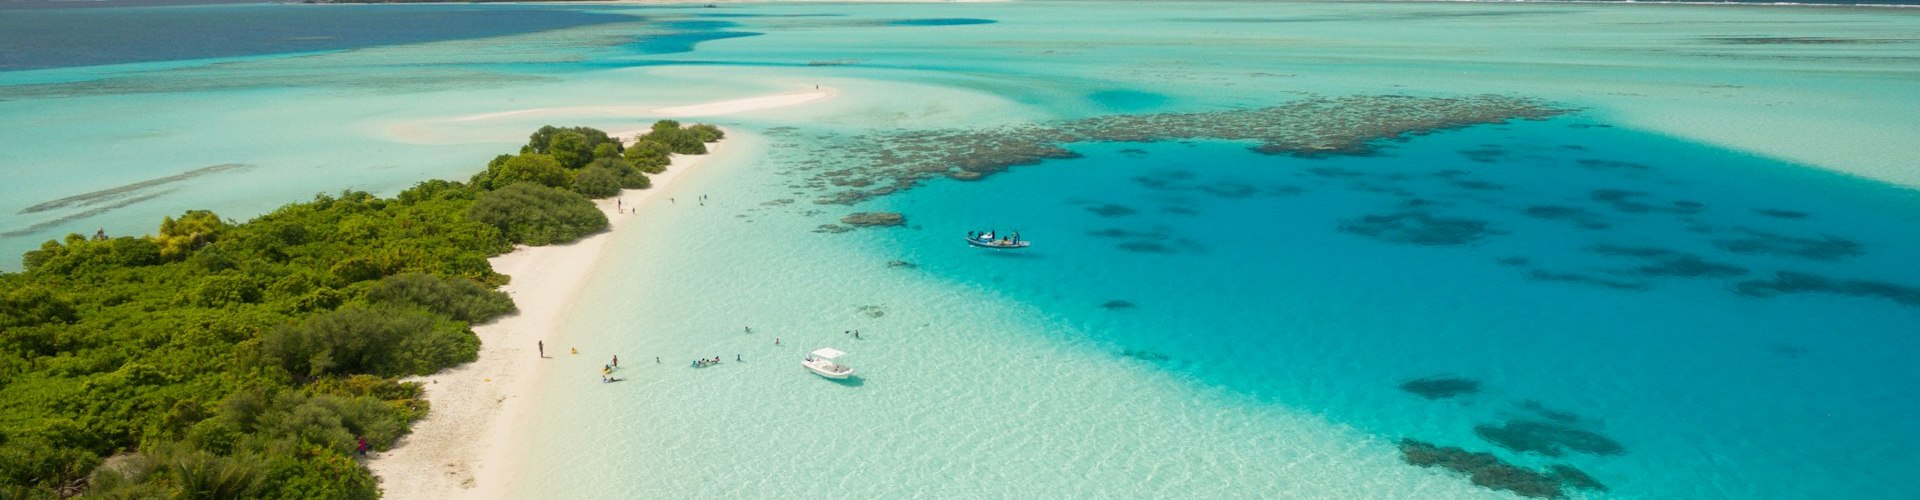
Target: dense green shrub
537,168
629,177
649,155
543,141
596,182
679,140
379,341
538,215
191,231
455,298
34,305
706,133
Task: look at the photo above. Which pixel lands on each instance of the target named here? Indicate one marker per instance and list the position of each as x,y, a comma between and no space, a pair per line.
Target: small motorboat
821,361
986,240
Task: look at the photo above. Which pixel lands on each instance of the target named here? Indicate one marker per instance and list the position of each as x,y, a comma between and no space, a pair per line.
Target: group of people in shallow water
706,362
606,371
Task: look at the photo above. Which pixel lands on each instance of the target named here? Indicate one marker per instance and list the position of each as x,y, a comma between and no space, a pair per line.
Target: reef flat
887,162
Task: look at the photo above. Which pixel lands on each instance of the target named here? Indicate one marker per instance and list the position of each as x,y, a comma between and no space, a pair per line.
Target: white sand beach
455,451
795,98
473,128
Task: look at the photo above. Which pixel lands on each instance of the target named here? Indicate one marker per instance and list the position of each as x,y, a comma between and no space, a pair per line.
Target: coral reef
1441,387
1111,210
1418,228
872,219
1578,216
1794,282
887,162
1762,242
1489,471
1781,214
1551,439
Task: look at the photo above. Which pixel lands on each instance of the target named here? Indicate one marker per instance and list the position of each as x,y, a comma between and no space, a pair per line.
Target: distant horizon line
182,3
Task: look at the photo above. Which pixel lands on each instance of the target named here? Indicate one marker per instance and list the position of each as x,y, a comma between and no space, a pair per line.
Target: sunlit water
1676,266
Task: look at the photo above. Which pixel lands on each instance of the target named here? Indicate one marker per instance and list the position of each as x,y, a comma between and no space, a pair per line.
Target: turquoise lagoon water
1196,320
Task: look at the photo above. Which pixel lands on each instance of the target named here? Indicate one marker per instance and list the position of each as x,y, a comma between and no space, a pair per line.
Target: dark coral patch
1575,478
1418,228
1793,282
1633,202
1479,185
1545,275
1669,263
1111,210
1761,242
1486,153
874,219
1441,387
1580,217
1624,251
1552,439
1622,200
1781,214
1489,471
1227,189
1284,190
1598,164
1145,355
1690,266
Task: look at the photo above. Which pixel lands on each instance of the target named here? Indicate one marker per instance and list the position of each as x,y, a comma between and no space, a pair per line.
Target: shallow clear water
54,38
1196,320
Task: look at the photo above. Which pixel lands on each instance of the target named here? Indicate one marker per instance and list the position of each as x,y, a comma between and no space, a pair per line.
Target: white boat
821,362
985,240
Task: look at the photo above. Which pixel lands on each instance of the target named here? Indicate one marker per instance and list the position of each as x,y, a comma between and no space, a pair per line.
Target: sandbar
460,449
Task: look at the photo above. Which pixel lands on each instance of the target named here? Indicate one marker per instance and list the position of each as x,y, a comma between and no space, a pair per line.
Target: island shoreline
458,449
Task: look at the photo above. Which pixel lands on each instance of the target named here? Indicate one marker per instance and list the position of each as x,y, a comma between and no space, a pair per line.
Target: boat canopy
828,353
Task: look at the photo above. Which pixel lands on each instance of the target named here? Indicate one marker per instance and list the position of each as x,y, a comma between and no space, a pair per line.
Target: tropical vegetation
221,359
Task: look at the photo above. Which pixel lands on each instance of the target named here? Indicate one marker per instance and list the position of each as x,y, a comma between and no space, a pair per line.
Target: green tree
538,215
361,339
706,133
536,168
596,182
570,149
191,231
650,156
456,298
34,305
